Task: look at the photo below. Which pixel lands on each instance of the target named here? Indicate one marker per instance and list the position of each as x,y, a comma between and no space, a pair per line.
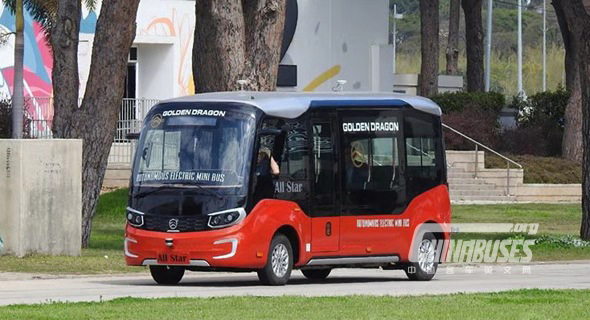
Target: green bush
540,124
5,118
544,108
457,101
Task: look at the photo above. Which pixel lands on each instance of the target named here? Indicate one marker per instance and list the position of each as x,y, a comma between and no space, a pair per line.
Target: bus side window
423,162
295,154
264,187
292,181
371,176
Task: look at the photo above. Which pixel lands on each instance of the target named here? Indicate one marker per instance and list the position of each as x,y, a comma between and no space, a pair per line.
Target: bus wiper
211,192
156,189
172,186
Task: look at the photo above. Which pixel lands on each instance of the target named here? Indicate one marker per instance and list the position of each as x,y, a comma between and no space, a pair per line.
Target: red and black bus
271,182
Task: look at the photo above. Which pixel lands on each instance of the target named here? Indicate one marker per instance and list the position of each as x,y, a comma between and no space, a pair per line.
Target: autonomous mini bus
275,181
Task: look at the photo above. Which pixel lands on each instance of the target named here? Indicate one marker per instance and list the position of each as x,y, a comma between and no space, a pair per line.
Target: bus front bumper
223,248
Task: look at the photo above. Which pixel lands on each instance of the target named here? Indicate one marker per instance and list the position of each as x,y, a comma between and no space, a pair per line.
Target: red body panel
325,234
372,235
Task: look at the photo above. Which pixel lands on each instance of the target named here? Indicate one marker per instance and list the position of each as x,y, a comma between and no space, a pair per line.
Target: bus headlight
134,217
226,218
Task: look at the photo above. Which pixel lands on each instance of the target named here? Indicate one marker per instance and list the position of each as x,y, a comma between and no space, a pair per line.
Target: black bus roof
293,104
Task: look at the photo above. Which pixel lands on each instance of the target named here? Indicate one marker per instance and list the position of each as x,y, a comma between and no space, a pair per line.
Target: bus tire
279,262
425,268
316,274
167,274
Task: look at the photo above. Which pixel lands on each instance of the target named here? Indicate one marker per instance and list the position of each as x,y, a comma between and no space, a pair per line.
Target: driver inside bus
266,164
266,169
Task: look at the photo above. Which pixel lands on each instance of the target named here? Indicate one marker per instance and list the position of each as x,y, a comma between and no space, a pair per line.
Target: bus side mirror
132,136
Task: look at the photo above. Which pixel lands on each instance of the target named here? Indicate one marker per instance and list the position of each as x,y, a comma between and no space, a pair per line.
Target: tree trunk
577,21
453,41
474,44
17,89
237,40
64,46
568,38
430,46
95,122
571,145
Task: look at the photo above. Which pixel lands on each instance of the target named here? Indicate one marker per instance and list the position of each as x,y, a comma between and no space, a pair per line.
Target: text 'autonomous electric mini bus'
269,182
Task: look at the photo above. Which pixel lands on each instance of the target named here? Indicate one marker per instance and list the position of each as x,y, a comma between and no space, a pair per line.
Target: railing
131,116
479,144
133,111
39,129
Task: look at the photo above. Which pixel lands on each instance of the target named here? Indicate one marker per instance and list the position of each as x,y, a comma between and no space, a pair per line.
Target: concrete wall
536,192
40,196
408,83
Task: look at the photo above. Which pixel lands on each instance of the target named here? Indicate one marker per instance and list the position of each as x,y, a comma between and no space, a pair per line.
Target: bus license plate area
173,258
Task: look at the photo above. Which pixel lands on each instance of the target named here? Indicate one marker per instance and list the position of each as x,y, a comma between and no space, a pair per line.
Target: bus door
373,191
325,210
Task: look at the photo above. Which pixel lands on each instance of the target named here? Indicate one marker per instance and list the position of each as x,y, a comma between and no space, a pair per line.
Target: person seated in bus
266,164
266,169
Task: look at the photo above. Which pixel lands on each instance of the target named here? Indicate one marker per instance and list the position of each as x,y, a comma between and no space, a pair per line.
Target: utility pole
489,47
544,45
396,16
520,91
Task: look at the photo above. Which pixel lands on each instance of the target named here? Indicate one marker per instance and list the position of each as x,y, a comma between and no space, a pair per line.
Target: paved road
340,282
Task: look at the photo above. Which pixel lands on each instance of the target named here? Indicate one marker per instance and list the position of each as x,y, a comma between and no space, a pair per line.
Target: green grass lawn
105,254
522,304
555,220
552,218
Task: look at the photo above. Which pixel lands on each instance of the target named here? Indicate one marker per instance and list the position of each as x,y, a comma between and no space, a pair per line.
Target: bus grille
185,224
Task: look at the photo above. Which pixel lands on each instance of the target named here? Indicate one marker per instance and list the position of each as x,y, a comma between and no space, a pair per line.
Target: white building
332,39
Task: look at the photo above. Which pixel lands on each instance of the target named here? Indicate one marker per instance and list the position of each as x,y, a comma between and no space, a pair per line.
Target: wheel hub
280,260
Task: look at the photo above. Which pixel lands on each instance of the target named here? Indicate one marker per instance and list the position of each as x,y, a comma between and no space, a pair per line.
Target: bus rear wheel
279,263
166,274
425,267
316,274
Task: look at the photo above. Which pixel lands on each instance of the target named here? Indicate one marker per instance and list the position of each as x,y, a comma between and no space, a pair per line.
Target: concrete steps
489,187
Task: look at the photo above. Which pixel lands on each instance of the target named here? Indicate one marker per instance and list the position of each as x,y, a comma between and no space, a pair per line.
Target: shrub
544,108
481,125
565,241
540,128
532,140
457,101
541,169
5,118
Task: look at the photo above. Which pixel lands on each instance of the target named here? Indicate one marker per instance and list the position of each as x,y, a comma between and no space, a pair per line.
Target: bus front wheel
167,275
279,263
426,265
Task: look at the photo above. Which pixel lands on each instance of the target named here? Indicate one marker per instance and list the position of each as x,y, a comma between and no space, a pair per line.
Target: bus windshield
212,150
